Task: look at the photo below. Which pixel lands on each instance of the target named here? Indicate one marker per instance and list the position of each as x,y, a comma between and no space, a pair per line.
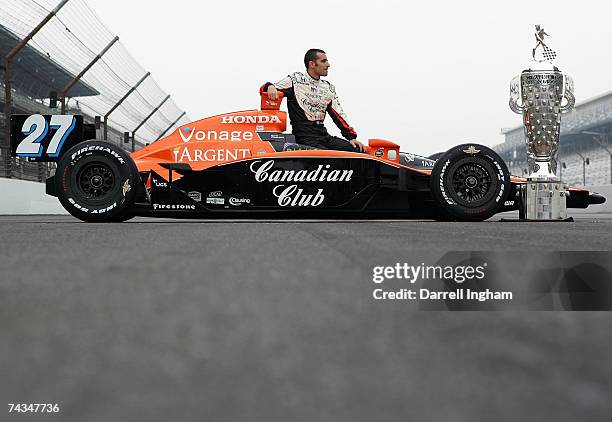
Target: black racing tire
436,155
97,181
469,182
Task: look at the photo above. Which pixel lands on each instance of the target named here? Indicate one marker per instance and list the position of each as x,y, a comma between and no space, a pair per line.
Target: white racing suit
308,101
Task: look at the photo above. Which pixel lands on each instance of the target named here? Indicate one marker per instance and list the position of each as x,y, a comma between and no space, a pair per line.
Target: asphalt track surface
163,320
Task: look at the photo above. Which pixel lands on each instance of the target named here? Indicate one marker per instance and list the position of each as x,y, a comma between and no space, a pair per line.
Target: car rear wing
269,104
44,138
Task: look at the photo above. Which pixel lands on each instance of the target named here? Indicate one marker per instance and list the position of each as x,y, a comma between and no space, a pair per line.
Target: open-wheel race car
242,164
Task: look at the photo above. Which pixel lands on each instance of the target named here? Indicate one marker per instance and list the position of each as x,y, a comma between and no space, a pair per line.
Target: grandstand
104,78
585,153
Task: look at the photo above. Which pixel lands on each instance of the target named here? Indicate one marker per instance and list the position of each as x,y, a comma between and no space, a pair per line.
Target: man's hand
272,92
357,144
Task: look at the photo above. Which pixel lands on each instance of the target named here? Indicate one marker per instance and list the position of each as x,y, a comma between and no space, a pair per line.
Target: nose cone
595,198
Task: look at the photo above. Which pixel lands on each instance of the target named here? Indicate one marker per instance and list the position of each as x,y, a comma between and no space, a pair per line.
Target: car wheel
469,182
97,182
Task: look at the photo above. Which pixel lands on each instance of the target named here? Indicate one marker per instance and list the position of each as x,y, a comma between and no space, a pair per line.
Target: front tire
97,181
469,182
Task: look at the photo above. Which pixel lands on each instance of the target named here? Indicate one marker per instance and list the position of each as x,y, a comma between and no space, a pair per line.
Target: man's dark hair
311,56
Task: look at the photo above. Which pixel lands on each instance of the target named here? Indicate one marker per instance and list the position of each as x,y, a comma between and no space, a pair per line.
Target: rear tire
469,182
97,182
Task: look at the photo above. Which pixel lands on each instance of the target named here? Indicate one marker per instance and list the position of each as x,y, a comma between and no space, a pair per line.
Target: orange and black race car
242,164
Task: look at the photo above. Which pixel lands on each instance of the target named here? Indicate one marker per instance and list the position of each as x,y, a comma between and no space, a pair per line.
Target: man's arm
339,117
272,89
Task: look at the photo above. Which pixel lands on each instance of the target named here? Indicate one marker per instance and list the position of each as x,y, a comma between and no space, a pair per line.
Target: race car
243,164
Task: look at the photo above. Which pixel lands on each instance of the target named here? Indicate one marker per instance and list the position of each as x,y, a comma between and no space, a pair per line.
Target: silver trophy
538,93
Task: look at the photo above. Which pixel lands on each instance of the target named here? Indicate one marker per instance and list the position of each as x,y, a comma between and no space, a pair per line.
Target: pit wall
20,197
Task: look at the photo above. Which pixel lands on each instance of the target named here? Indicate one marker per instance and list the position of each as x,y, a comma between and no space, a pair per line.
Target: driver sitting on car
309,98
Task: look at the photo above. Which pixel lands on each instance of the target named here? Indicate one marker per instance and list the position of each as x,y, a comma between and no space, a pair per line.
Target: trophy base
543,201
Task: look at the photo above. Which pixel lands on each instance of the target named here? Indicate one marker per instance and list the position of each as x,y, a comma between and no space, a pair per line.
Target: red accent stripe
344,123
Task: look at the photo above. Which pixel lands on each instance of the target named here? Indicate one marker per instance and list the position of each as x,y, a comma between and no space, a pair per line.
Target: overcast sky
425,75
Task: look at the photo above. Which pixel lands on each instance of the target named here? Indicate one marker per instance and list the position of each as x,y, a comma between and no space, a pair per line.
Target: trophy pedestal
544,201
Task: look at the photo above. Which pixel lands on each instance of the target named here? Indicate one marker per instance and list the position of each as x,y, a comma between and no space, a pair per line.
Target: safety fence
582,160
60,57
